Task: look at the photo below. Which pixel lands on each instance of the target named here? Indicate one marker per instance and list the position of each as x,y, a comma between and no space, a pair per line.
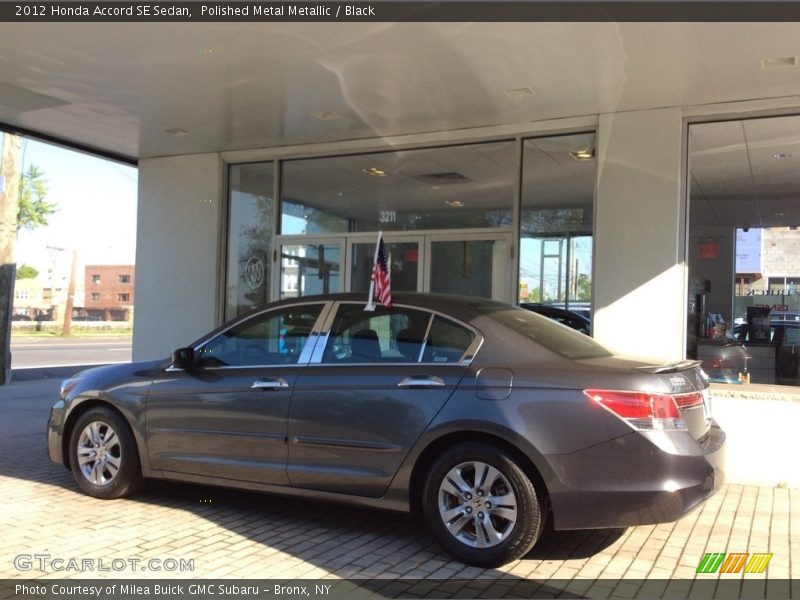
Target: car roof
459,306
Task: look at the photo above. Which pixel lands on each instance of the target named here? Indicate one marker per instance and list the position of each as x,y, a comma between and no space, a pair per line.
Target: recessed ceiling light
375,172
587,154
778,62
454,203
516,92
177,132
326,115
781,155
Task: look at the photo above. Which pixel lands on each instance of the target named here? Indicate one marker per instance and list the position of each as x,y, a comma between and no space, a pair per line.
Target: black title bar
387,11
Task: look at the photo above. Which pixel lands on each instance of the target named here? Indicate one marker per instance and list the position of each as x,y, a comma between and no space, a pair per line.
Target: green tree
27,272
33,208
584,287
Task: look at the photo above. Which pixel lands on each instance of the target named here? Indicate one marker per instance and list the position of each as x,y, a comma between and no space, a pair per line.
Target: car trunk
683,380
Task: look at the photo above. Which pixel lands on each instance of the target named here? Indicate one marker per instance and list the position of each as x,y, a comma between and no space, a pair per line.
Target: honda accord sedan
489,418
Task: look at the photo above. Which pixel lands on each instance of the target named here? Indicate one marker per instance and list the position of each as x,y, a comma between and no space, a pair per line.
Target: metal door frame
388,238
281,241
424,241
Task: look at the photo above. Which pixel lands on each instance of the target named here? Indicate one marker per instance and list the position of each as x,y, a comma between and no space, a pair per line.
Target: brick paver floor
246,535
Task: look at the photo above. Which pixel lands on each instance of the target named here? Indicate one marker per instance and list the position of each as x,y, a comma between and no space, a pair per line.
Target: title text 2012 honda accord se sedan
488,417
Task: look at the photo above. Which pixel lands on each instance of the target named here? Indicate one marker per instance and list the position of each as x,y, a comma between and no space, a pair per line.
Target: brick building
109,292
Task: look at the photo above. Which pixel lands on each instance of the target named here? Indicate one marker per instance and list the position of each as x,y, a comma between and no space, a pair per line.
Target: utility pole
10,172
70,295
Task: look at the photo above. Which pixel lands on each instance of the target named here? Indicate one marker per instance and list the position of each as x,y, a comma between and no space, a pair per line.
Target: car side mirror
183,358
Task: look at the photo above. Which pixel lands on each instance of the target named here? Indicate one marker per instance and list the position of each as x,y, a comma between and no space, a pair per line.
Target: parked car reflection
576,321
741,359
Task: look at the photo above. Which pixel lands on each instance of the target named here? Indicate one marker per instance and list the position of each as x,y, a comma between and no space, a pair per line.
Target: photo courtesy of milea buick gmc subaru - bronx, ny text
489,418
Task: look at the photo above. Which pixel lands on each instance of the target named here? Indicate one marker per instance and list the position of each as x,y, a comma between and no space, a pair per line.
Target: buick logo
254,272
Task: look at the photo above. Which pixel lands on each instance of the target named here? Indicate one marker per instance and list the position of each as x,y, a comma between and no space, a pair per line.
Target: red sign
708,250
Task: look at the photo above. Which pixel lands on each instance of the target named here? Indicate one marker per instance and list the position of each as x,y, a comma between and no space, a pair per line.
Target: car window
447,341
384,335
273,338
563,341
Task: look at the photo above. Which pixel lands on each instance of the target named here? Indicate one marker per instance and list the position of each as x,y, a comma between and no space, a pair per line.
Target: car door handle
422,381
278,383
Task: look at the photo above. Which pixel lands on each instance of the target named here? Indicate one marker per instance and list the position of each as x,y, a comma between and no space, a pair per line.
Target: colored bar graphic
758,563
722,562
710,562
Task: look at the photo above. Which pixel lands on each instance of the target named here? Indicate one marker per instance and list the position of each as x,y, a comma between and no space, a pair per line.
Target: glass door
405,257
470,264
309,268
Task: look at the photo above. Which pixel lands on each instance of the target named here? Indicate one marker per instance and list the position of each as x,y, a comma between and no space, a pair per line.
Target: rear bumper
636,479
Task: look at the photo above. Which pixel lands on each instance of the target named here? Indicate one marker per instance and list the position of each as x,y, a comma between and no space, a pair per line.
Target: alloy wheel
99,453
477,504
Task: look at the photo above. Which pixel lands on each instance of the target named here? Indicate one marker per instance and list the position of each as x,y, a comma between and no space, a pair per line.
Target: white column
177,252
639,275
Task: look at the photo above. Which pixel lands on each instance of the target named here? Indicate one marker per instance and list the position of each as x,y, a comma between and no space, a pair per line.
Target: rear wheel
103,455
481,505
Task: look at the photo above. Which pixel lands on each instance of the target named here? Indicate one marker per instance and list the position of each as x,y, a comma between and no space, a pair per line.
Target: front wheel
481,505
103,456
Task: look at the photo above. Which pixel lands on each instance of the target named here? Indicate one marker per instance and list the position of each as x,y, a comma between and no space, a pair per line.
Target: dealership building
648,172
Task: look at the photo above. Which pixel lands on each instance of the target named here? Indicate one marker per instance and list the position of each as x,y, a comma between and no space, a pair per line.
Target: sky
96,200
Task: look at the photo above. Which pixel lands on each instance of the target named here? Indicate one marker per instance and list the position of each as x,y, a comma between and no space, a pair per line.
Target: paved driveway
178,531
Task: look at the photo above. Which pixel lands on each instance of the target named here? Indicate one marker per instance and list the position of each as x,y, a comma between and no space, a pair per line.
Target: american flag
380,277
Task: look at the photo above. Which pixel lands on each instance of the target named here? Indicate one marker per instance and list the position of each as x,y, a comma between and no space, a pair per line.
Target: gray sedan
489,418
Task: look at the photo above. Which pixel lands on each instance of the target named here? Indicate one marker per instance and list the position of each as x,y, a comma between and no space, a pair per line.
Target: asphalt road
52,352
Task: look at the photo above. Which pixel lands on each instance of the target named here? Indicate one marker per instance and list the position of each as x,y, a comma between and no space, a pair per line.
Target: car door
227,416
370,391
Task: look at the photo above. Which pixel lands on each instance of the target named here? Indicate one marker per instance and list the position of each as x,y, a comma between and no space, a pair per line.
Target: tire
481,506
103,455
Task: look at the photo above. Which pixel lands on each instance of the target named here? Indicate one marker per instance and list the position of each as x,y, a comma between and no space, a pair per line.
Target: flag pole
370,303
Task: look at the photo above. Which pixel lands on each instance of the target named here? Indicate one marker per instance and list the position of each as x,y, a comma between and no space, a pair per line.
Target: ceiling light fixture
781,62
454,203
516,92
781,155
587,154
375,172
326,115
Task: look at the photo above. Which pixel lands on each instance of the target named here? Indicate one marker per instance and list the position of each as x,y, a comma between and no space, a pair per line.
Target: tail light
645,411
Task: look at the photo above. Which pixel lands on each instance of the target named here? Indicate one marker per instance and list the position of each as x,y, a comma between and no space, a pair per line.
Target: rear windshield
553,336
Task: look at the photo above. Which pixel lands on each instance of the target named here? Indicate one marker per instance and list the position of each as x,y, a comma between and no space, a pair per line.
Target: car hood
99,378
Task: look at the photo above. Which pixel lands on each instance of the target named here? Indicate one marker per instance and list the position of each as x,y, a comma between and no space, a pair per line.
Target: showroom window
558,183
743,318
251,225
454,187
